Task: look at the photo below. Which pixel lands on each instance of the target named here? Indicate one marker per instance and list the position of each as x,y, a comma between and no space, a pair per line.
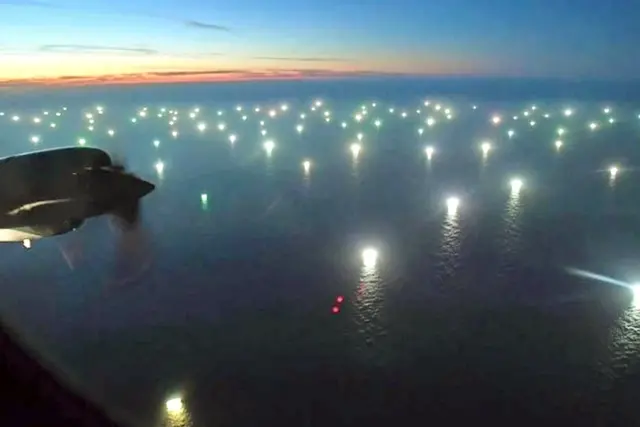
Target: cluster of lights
367,113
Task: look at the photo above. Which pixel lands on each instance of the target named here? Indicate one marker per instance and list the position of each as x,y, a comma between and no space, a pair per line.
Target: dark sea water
472,316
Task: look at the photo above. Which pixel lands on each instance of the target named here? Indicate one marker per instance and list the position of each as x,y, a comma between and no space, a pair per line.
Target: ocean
245,298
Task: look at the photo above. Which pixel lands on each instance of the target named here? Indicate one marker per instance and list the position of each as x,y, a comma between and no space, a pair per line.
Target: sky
134,41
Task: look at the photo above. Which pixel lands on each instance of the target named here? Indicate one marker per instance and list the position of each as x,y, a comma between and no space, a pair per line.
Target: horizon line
238,76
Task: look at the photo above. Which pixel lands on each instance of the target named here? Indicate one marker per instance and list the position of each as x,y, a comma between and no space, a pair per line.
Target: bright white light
174,405
244,118
239,108
134,120
568,112
593,125
611,120
635,290
438,107
263,132
453,203
561,131
532,123
284,107
302,116
613,171
26,243
358,117
82,141
360,136
269,146
510,133
272,113
404,114
377,123
516,185
496,120
420,131
37,120
15,118
355,149
485,147
111,132
558,144
430,121
204,198
299,128
232,138
533,107
429,150
607,110
221,126
202,126
369,257
344,125
35,139
159,167
156,143
391,110
174,133
307,166
526,113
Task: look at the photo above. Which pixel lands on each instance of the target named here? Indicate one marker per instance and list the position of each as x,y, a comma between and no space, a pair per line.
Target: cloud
195,76
207,26
81,48
300,59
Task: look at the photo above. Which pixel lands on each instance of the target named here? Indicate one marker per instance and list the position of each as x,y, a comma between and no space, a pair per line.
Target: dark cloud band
207,26
300,59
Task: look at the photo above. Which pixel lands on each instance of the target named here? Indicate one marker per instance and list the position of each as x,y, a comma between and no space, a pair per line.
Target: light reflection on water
511,230
176,417
450,243
368,314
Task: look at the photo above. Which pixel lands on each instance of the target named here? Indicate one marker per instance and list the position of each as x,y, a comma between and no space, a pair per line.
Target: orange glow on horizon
198,76
66,70
177,77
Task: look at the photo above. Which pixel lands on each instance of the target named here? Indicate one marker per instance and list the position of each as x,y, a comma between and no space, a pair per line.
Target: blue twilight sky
50,39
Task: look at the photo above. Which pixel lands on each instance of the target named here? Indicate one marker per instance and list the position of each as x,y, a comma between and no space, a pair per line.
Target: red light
339,299
335,309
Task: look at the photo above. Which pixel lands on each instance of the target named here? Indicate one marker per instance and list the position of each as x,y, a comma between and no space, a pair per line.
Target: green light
204,198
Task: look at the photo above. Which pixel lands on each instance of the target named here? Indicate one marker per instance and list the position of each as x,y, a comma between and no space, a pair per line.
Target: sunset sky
98,41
